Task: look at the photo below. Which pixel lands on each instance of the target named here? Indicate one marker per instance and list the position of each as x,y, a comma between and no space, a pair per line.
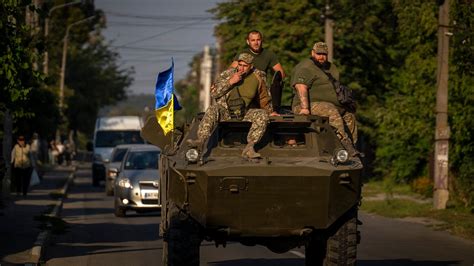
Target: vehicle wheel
119,212
340,248
182,242
95,179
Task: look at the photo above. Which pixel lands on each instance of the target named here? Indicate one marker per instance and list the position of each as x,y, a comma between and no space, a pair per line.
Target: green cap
320,48
247,58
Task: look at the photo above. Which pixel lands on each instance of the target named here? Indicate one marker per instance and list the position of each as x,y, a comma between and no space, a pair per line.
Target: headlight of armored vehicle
340,156
124,182
192,155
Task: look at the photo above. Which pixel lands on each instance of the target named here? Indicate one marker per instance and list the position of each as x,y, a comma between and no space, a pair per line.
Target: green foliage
289,28
461,102
188,93
105,84
386,51
93,78
17,76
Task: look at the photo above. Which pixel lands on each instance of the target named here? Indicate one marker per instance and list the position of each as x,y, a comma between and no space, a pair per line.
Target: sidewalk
19,229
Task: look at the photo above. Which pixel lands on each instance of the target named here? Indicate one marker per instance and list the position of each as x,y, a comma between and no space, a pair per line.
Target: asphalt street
94,236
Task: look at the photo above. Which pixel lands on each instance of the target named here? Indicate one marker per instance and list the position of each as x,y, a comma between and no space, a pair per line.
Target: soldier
240,94
264,60
309,76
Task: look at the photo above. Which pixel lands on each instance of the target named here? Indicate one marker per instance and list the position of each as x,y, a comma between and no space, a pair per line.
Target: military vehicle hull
297,194
265,200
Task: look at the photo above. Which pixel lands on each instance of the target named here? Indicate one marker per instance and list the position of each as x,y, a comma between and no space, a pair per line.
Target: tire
95,179
182,240
340,248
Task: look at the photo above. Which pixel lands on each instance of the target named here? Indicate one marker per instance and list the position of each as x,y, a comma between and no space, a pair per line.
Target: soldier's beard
259,49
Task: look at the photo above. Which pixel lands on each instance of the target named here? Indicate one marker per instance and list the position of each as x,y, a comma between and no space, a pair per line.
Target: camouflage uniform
321,94
336,120
220,91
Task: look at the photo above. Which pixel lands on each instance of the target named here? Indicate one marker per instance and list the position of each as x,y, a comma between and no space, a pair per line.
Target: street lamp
46,31
63,62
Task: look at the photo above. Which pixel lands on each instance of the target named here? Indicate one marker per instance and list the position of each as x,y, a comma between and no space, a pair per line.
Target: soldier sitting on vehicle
313,74
242,95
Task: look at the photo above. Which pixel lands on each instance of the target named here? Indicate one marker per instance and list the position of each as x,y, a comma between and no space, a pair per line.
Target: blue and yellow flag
166,102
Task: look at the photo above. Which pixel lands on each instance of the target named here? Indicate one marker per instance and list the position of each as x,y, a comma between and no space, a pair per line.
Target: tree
93,77
461,102
386,51
17,75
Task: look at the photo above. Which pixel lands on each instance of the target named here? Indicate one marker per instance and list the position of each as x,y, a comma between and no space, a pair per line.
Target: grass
454,219
375,188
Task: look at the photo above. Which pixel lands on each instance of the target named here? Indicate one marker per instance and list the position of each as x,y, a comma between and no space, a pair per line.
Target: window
118,155
114,138
141,160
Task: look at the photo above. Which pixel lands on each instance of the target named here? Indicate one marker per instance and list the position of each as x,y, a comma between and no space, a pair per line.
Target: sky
148,33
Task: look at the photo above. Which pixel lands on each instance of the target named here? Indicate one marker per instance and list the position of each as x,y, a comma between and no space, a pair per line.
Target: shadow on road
260,262
405,262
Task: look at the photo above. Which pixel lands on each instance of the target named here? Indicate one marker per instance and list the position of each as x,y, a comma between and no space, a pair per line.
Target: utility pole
206,79
46,31
328,30
64,59
441,192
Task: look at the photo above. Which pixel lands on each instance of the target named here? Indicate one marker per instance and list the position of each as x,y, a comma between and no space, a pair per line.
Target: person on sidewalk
21,166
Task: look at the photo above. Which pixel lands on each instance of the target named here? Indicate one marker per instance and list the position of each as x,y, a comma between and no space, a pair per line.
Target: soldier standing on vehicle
240,94
264,60
316,94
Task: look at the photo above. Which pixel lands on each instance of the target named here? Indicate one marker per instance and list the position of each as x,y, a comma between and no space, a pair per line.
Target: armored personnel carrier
304,191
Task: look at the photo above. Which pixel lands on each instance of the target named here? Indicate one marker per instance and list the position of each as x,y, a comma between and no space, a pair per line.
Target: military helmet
320,48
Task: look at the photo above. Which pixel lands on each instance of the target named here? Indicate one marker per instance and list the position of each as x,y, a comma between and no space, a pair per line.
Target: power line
123,23
153,49
159,34
161,17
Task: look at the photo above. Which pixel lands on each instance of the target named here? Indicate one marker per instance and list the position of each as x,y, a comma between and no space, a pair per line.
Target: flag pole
172,130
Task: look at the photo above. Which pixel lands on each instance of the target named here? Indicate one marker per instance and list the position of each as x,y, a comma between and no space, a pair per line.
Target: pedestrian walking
21,166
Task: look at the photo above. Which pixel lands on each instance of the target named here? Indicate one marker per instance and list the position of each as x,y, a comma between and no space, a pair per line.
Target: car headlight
341,156
125,182
192,155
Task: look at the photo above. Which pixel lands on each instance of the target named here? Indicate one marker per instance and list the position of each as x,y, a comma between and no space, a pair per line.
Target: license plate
149,194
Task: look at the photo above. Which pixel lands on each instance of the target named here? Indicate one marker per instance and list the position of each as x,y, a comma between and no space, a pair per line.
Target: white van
108,133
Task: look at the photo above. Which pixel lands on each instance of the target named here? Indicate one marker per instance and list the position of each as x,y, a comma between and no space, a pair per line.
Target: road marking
297,253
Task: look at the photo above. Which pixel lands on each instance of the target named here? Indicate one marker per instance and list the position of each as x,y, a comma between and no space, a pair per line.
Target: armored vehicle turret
304,191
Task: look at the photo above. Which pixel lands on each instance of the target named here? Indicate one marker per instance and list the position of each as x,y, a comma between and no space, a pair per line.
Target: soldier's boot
353,152
249,152
194,143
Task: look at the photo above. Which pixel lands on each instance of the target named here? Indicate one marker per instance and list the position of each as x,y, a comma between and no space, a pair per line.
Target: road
94,236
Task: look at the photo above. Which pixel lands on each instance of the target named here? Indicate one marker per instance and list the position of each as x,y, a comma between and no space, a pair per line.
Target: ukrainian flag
166,103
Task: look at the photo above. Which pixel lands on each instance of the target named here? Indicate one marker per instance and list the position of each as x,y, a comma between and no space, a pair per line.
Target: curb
43,238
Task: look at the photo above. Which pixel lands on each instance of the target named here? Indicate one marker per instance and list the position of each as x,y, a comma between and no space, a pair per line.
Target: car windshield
139,160
118,155
117,137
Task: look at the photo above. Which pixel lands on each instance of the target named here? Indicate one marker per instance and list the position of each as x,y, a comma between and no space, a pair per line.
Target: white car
112,168
137,184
